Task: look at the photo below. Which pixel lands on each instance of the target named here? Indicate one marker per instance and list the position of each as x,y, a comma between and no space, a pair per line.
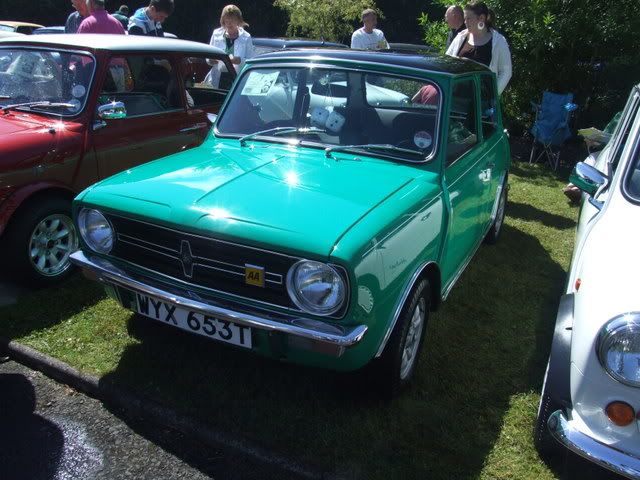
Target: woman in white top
482,43
233,39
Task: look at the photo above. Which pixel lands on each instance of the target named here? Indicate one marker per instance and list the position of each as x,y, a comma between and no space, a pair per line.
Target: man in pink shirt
99,21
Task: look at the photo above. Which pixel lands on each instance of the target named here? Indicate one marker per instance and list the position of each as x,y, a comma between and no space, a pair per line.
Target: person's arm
355,40
135,30
505,69
383,43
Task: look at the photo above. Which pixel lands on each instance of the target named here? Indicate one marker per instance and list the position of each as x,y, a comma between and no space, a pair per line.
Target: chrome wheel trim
412,339
500,212
52,241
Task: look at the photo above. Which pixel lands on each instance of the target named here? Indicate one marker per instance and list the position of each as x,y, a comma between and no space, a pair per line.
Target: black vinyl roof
413,60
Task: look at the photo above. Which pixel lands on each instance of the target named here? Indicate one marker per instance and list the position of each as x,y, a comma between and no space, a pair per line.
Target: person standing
482,43
75,19
99,21
233,39
122,15
148,20
368,37
454,16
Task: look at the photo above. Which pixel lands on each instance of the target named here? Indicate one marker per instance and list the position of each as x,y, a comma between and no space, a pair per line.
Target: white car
590,400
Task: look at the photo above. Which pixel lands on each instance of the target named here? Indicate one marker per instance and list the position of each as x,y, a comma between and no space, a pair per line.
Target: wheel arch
27,196
429,271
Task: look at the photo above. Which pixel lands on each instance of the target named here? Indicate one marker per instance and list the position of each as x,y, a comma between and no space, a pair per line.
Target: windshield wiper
371,146
281,131
6,108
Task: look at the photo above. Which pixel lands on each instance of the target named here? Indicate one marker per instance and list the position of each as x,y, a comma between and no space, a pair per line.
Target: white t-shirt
368,41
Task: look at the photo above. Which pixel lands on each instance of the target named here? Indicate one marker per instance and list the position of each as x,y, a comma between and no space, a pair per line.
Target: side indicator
578,283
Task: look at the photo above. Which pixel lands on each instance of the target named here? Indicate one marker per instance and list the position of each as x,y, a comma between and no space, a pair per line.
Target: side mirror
112,111
587,178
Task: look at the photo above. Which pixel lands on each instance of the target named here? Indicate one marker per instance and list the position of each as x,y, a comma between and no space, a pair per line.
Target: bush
324,19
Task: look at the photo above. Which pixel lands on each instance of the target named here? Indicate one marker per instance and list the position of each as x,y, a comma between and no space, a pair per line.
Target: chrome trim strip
496,202
400,305
609,457
108,273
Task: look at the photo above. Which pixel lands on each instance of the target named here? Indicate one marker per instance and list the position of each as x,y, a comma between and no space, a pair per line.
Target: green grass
469,413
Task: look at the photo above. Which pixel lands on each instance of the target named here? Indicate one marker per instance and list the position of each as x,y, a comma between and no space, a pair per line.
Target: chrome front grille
205,262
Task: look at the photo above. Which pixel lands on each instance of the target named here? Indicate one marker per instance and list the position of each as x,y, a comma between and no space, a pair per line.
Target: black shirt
479,53
453,33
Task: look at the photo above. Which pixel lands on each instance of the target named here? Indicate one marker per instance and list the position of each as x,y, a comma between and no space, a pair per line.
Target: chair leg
533,151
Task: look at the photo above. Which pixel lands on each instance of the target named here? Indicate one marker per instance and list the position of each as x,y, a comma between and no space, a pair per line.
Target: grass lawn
469,414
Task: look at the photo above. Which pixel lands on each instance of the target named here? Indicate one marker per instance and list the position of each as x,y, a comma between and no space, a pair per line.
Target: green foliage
588,47
435,33
324,19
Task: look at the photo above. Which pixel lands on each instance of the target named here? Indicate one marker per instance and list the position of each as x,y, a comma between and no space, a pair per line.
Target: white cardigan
500,56
242,48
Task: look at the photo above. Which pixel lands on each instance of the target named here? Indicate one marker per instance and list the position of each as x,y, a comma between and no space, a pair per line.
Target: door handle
197,126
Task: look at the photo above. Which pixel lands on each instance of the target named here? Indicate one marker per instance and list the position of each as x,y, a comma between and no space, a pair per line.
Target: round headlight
316,287
95,230
618,348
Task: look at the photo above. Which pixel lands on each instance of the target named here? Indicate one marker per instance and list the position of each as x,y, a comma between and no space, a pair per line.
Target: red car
77,108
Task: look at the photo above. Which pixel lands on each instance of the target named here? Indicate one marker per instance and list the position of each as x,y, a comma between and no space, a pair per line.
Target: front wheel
40,240
397,365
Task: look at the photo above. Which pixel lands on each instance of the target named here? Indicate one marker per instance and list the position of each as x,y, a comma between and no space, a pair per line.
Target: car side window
488,106
200,74
146,85
463,134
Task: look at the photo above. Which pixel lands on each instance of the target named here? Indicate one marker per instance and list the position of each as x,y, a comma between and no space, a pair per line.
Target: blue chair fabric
551,126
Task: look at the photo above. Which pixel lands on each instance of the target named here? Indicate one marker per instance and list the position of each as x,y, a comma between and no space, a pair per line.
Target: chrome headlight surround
316,287
618,348
96,231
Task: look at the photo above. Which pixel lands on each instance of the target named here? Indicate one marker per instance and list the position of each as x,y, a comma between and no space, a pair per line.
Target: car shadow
38,309
528,212
30,445
444,426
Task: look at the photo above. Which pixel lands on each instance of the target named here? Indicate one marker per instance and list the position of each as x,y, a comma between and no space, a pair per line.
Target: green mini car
335,203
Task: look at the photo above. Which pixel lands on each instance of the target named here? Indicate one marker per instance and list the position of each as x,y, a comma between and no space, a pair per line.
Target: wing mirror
587,178
112,111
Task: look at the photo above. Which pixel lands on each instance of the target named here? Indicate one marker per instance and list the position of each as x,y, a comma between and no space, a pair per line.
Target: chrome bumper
606,456
302,332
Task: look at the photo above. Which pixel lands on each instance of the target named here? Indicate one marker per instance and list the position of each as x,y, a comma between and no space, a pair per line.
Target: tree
324,19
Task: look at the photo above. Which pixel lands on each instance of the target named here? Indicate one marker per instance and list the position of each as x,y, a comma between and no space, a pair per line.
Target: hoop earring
480,25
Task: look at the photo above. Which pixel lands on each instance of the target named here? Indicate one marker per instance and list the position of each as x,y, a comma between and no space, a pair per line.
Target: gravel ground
50,431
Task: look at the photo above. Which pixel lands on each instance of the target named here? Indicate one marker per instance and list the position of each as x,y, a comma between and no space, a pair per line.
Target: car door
156,123
492,148
464,179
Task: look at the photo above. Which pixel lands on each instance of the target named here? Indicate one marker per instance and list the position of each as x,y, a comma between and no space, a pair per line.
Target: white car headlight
316,287
618,348
95,230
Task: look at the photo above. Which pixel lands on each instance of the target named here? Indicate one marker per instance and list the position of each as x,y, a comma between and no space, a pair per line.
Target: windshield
334,107
28,76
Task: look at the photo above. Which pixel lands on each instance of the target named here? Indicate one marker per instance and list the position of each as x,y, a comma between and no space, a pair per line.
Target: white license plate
194,322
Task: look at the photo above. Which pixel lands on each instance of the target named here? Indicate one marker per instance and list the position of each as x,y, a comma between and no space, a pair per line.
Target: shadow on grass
489,341
527,212
43,308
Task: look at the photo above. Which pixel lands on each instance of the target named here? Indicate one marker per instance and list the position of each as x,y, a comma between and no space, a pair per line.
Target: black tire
391,374
42,219
542,439
496,227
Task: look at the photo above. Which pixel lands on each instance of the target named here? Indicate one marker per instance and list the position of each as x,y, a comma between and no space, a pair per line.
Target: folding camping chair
551,127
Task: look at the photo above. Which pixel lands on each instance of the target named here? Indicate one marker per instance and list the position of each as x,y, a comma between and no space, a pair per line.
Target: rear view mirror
330,90
587,178
112,111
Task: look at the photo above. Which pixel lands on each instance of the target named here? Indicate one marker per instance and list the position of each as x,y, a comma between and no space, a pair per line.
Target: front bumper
565,432
306,333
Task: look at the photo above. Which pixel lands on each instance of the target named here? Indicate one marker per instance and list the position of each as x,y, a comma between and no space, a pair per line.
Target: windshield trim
311,64
635,148
90,83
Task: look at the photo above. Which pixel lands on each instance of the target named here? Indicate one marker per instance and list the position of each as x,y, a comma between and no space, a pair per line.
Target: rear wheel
396,367
40,240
